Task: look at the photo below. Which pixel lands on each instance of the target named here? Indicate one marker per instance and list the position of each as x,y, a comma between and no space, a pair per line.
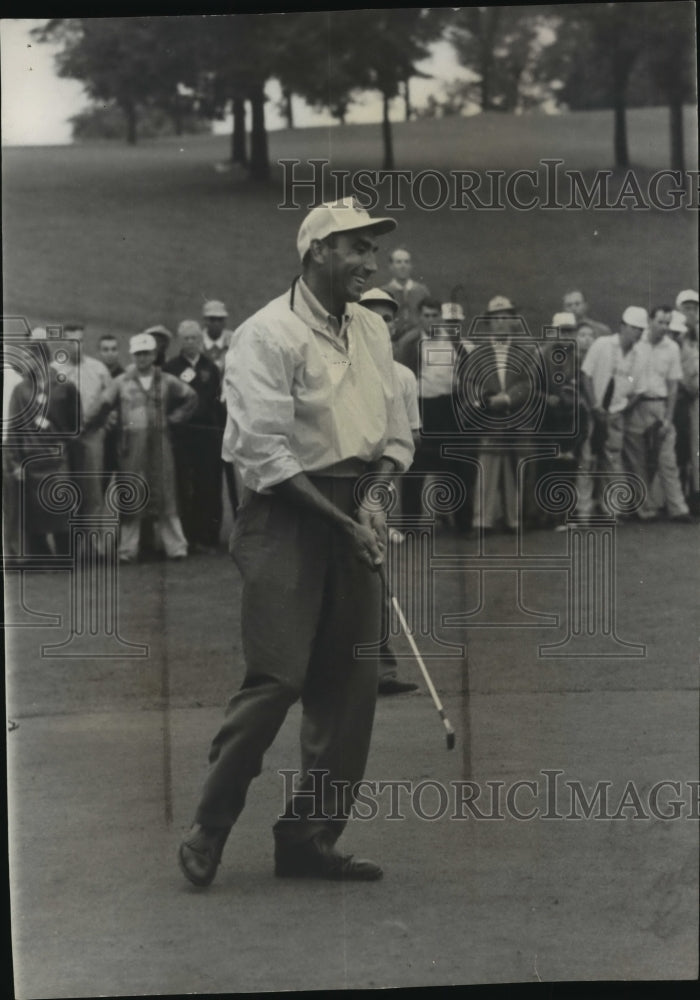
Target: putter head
450,741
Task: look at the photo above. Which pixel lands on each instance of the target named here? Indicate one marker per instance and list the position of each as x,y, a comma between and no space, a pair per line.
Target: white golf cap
636,316
142,342
678,323
687,296
452,311
213,308
499,303
564,319
378,295
338,217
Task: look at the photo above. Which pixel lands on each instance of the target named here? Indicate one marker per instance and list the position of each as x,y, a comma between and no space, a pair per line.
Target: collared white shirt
216,350
304,393
605,360
90,377
408,385
655,365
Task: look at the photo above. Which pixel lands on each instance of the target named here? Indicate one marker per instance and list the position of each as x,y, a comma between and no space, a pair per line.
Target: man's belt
653,399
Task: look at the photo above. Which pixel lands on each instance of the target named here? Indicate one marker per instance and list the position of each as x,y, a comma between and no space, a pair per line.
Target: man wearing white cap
650,437
687,303
313,406
607,384
217,338
148,401
162,336
503,390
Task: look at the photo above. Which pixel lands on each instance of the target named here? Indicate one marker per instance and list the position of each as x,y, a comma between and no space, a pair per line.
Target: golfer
312,407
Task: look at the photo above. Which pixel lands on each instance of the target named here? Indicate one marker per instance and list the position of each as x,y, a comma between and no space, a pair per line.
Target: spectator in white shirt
650,437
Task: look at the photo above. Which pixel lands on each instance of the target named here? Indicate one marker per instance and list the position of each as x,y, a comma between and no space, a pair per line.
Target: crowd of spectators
583,401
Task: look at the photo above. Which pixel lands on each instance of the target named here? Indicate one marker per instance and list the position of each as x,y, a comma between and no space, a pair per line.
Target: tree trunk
386,135
259,166
239,152
490,19
288,109
407,100
130,115
676,126
622,156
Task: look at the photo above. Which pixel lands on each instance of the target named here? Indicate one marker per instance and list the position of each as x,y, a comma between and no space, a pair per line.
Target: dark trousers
307,603
197,454
439,424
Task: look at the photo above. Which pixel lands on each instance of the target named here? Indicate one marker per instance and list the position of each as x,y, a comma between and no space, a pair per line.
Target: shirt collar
217,345
192,364
316,316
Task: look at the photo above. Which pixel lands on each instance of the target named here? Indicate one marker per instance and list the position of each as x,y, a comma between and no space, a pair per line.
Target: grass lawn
123,238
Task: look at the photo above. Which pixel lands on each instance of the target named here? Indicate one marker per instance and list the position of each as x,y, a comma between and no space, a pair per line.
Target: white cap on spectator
678,323
378,295
499,303
687,296
636,316
142,342
564,319
214,309
452,312
338,217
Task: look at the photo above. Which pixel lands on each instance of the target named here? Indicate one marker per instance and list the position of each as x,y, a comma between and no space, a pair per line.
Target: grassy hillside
123,238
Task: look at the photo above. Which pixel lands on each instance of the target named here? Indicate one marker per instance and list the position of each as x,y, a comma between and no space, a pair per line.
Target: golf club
449,731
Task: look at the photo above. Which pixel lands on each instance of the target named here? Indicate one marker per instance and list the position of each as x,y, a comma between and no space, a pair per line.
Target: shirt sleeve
409,389
399,447
588,365
675,372
258,381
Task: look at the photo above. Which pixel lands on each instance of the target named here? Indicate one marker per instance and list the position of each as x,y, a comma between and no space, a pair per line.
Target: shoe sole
330,877
199,882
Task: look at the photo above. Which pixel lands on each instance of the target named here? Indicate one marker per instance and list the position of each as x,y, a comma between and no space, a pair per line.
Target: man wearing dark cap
312,408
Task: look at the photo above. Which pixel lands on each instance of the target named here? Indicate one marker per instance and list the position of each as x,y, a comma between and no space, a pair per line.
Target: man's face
349,261
575,303
428,318
109,353
584,338
387,313
400,265
658,325
501,325
191,343
144,360
691,310
214,326
629,335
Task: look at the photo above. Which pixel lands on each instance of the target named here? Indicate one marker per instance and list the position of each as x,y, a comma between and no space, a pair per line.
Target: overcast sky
36,104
